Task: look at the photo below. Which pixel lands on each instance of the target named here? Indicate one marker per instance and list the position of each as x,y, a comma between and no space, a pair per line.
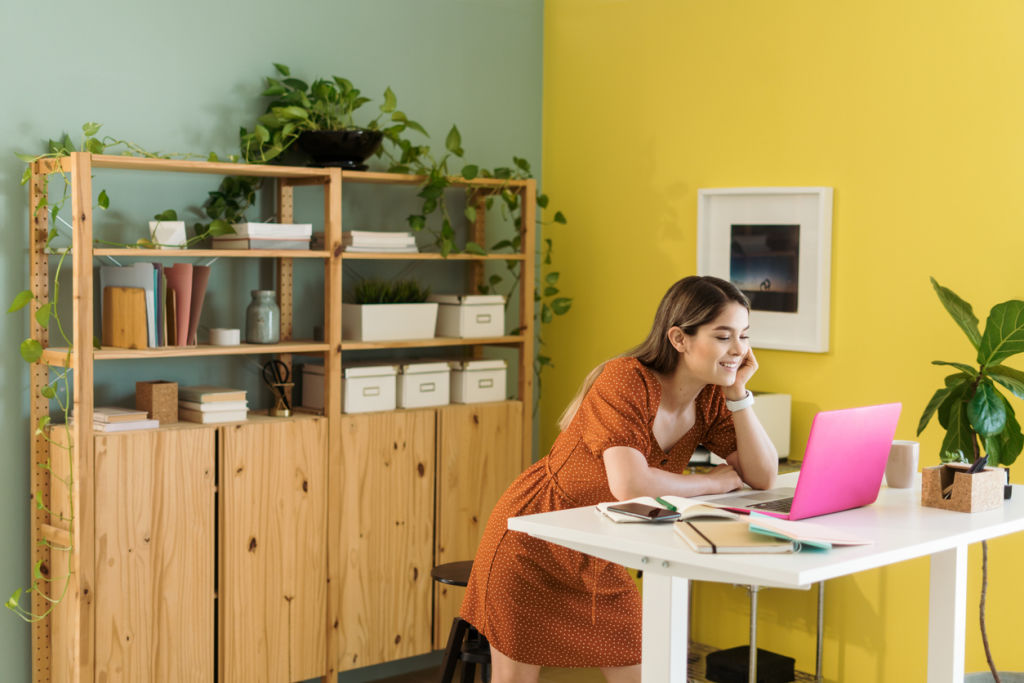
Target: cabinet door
155,556
480,448
272,586
386,536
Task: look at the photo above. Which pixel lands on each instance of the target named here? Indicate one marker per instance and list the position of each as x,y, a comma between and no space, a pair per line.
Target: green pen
668,505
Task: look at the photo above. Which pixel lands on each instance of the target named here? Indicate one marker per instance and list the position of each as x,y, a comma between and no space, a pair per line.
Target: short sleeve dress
545,604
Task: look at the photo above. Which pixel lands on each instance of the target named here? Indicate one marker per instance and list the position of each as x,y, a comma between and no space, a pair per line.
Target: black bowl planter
345,148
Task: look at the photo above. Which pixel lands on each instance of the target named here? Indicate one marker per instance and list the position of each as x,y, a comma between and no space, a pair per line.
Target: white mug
902,464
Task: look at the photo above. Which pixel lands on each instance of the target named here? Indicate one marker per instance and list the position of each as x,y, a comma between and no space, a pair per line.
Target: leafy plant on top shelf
390,292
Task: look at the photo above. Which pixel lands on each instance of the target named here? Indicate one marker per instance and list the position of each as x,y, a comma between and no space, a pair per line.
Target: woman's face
715,352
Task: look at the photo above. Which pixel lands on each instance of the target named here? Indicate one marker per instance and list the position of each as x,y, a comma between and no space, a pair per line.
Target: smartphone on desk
648,512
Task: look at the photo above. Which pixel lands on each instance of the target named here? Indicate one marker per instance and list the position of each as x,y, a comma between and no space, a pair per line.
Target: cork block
969,493
159,398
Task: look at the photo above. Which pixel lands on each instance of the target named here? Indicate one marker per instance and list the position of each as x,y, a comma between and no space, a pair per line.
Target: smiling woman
630,431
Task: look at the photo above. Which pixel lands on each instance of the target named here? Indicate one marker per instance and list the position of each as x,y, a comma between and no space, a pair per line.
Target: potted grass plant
389,311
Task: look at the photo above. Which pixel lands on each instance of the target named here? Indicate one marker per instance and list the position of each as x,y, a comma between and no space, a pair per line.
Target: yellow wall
912,111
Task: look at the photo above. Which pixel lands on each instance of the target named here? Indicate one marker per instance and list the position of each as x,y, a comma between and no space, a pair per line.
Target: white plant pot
388,322
168,234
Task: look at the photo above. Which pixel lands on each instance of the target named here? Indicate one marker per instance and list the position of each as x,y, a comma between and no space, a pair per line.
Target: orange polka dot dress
545,604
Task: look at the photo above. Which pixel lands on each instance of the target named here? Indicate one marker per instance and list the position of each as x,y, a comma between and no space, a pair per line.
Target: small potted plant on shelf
389,311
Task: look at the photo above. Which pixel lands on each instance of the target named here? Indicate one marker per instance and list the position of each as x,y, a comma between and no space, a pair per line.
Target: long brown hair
693,301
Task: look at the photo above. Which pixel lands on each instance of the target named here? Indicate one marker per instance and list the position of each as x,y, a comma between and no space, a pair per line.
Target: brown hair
689,303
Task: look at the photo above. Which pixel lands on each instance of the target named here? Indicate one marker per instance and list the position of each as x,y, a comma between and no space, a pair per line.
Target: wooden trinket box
967,492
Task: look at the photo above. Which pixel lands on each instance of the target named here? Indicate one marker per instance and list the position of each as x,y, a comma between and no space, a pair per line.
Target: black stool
465,643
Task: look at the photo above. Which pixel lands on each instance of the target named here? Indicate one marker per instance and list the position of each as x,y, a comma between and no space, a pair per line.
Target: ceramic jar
263,318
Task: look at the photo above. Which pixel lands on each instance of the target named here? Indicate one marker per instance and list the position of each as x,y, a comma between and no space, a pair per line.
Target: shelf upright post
39,406
332,409
285,275
83,559
528,217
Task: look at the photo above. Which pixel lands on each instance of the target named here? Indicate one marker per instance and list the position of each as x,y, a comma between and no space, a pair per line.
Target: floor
696,672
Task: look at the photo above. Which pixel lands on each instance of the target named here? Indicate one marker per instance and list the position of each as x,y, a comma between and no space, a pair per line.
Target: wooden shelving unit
149,524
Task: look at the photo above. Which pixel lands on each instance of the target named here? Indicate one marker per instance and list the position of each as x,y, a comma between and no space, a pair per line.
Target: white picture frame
775,243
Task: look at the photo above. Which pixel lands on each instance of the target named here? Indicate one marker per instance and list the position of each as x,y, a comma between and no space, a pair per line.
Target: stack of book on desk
113,419
377,241
266,236
212,405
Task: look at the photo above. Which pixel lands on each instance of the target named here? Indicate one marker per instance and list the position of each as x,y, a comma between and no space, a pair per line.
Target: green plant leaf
96,343
546,315
43,314
1010,378
37,571
986,411
1009,442
958,445
957,397
168,215
551,278
103,200
561,305
972,371
560,217
550,291
21,299
94,146
470,213
470,171
390,101
419,129
417,222
27,158
453,143
31,350
91,128
961,311
12,602
1004,333
48,391
521,163
26,175
474,248
937,398
542,201
282,69
220,227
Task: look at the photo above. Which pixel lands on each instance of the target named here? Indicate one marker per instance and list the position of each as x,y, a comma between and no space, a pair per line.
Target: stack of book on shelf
211,405
266,236
113,419
146,305
378,241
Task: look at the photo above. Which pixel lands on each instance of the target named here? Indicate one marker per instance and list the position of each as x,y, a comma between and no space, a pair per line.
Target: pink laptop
842,467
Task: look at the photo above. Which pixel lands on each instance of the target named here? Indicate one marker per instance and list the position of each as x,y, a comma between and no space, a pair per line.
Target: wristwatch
742,403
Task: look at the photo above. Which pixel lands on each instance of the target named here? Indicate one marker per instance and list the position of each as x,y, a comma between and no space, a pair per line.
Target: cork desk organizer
967,492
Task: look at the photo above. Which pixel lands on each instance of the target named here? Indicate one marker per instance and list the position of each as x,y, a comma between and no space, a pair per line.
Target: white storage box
368,388
478,381
313,386
388,322
424,384
471,315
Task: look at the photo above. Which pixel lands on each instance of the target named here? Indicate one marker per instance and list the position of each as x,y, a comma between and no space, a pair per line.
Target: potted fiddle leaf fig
971,407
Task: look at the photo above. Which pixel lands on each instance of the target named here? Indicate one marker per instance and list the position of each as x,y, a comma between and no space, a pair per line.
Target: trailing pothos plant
970,407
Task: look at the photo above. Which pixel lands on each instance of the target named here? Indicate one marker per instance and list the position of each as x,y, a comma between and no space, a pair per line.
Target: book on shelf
204,393
383,250
371,241
214,406
212,417
729,537
686,507
234,242
134,425
287,231
115,414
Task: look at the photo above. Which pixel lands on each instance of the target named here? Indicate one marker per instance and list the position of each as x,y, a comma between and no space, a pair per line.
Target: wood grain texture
155,556
386,536
63,621
527,228
273,564
479,448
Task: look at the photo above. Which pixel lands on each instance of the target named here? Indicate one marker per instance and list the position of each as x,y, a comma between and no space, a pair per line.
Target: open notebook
687,508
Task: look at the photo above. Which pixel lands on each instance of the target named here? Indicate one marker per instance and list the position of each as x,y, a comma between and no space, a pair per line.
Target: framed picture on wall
775,244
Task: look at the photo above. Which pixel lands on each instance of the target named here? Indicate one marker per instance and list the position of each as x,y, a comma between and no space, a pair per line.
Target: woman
629,432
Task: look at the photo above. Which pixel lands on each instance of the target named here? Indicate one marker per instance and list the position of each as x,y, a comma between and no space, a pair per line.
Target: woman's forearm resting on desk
629,476
755,459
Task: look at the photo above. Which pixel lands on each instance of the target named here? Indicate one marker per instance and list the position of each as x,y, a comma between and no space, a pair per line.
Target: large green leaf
959,366
20,300
31,350
986,410
958,446
937,398
1009,378
961,311
1004,447
1004,333
958,394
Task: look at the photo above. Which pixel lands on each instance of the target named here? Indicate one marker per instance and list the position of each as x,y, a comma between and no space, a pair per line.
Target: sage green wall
183,76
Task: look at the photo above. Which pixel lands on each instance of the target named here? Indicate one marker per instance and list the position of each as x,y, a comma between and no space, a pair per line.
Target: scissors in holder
276,375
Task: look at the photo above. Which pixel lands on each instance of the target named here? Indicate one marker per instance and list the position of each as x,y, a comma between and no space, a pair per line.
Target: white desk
900,527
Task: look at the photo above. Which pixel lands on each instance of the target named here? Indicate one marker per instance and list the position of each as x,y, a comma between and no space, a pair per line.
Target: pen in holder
950,487
281,406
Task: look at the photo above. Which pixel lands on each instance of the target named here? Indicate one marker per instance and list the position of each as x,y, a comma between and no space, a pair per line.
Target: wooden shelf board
380,256
213,253
434,342
382,178
56,355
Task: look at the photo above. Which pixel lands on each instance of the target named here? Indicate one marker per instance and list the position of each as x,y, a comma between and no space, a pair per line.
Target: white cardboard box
313,386
424,384
388,322
368,388
470,315
478,381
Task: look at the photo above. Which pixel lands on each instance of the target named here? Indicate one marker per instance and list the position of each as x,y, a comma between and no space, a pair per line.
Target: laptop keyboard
778,505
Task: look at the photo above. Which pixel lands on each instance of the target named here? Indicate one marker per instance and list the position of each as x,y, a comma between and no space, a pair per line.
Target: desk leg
665,636
947,616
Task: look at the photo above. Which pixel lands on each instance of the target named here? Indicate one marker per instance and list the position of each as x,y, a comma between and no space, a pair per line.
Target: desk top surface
900,526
